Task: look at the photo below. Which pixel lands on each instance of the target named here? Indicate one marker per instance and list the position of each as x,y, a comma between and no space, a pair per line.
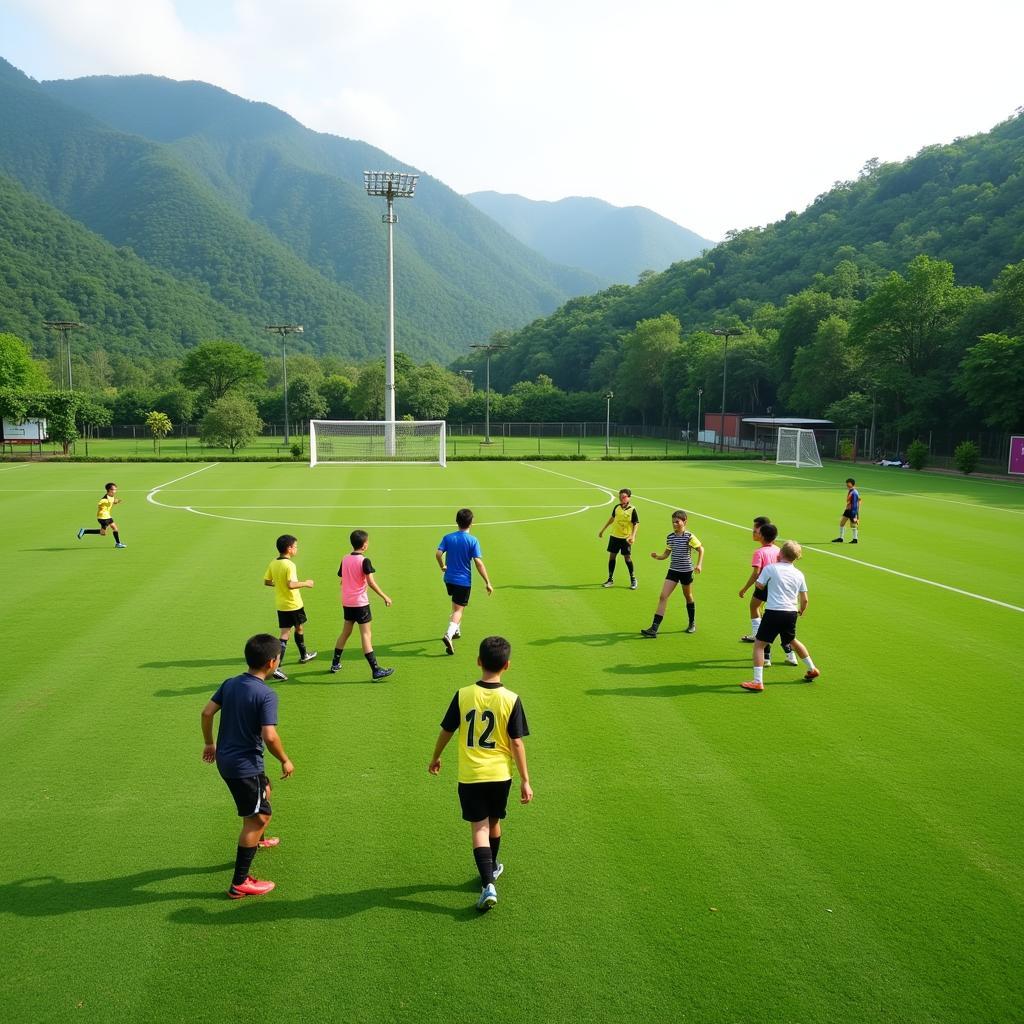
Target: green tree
304,400
159,425
231,422
428,392
17,367
367,395
825,370
852,411
992,379
646,352
217,367
336,389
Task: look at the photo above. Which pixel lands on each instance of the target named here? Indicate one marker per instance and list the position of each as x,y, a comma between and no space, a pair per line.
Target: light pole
608,422
63,328
391,185
493,346
700,395
771,416
283,330
726,333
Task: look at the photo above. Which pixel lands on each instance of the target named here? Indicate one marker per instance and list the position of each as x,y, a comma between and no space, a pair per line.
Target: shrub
917,454
966,456
296,450
846,450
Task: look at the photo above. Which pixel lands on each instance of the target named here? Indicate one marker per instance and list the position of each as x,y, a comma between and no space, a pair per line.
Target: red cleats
250,887
812,673
752,684
269,841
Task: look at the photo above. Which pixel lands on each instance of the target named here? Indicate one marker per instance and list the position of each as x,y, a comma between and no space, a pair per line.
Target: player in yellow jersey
624,523
105,516
282,575
491,724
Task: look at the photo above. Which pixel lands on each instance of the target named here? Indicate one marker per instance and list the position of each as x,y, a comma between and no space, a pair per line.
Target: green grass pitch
848,850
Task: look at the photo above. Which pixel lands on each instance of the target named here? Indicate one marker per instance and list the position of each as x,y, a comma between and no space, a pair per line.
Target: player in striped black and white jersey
679,545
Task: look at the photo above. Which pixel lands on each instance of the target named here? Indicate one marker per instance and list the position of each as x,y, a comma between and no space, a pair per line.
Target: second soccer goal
346,441
797,447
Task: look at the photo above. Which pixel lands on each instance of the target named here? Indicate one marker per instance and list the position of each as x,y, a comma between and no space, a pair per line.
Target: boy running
680,544
457,553
248,721
356,572
851,514
787,601
767,554
624,523
105,516
282,575
493,724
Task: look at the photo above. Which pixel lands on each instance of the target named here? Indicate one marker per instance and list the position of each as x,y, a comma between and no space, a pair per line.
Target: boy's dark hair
494,653
768,532
626,491
850,480
357,538
464,518
679,514
106,487
261,650
284,542
760,521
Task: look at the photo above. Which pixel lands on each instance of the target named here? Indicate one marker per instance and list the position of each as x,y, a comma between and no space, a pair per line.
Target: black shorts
777,624
357,613
459,596
852,516
484,799
252,795
760,593
620,545
104,522
288,619
675,576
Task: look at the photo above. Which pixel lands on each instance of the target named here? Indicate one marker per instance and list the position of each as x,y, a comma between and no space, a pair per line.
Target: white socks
754,625
758,673
808,662
453,628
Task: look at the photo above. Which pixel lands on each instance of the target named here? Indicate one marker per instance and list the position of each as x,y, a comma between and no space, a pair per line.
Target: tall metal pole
726,334
389,381
700,393
608,422
63,329
284,330
489,348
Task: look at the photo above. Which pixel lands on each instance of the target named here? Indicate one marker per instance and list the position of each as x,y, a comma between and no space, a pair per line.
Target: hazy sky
718,115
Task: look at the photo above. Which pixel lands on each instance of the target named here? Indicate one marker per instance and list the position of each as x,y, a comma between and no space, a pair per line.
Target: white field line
20,465
817,551
476,505
160,487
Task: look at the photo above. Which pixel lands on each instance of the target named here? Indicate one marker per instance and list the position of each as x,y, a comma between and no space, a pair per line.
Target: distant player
492,724
248,719
105,516
787,601
457,553
282,575
624,523
356,572
680,544
851,514
767,554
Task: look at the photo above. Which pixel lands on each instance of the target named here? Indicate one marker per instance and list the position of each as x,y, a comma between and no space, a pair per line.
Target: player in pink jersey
356,572
764,531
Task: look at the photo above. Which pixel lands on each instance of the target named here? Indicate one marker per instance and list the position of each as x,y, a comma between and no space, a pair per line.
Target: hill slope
616,243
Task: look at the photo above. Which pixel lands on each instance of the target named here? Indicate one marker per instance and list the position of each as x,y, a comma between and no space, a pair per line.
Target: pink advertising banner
1016,455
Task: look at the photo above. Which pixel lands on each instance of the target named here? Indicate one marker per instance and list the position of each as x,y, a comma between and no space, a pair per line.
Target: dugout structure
797,447
339,442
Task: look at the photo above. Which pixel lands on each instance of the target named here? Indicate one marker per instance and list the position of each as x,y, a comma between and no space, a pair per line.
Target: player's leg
101,532
252,800
855,523
627,557
376,672
666,590
460,599
801,649
300,642
756,610
842,531
691,607
339,645
117,535
612,554
495,840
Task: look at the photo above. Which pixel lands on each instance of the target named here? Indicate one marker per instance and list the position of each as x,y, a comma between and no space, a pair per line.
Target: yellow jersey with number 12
486,717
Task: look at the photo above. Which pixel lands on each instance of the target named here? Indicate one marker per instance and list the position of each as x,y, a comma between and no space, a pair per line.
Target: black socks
372,659
300,642
656,622
691,610
495,843
338,651
484,863
243,862
284,651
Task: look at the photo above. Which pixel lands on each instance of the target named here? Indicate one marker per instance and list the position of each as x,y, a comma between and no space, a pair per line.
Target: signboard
1016,455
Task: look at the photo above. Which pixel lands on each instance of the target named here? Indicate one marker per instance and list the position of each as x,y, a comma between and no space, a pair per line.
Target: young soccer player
356,572
767,554
851,514
105,516
680,544
457,553
787,601
248,721
624,523
492,724
282,575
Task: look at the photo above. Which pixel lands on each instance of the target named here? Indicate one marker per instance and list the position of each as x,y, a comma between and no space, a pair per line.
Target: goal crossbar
797,447
340,442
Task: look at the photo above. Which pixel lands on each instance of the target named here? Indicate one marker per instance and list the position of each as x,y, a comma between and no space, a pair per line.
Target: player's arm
482,569
443,739
276,747
519,754
802,601
298,584
206,721
699,567
372,584
662,556
439,555
611,519
751,580
636,526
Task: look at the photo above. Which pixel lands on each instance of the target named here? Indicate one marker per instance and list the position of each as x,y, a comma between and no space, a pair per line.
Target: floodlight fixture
63,328
283,330
391,185
493,346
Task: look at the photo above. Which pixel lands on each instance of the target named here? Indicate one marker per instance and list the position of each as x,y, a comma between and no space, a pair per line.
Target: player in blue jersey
457,553
851,514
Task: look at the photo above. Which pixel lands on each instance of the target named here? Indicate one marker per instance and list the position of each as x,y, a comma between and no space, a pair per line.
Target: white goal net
341,441
797,447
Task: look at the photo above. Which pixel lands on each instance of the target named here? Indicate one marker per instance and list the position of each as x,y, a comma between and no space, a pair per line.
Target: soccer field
846,850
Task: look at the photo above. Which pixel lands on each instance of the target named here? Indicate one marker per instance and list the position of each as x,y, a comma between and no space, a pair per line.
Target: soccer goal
342,441
797,447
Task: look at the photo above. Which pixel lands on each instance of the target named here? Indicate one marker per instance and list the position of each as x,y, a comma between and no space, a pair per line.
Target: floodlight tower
284,329
391,185
63,328
493,346
727,333
609,395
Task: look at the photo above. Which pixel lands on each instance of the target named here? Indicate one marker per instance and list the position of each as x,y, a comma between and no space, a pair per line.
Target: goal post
337,442
797,447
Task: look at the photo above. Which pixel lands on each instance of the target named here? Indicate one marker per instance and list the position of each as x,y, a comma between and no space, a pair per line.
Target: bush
846,450
296,450
966,456
917,455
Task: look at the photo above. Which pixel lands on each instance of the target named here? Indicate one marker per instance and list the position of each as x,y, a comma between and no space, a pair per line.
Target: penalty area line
160,487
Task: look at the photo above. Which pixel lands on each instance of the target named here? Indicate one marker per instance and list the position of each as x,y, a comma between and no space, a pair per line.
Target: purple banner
1016,455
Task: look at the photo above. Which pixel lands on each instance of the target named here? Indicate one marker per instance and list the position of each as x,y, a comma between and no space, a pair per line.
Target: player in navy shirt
248,710
457,553
851,514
